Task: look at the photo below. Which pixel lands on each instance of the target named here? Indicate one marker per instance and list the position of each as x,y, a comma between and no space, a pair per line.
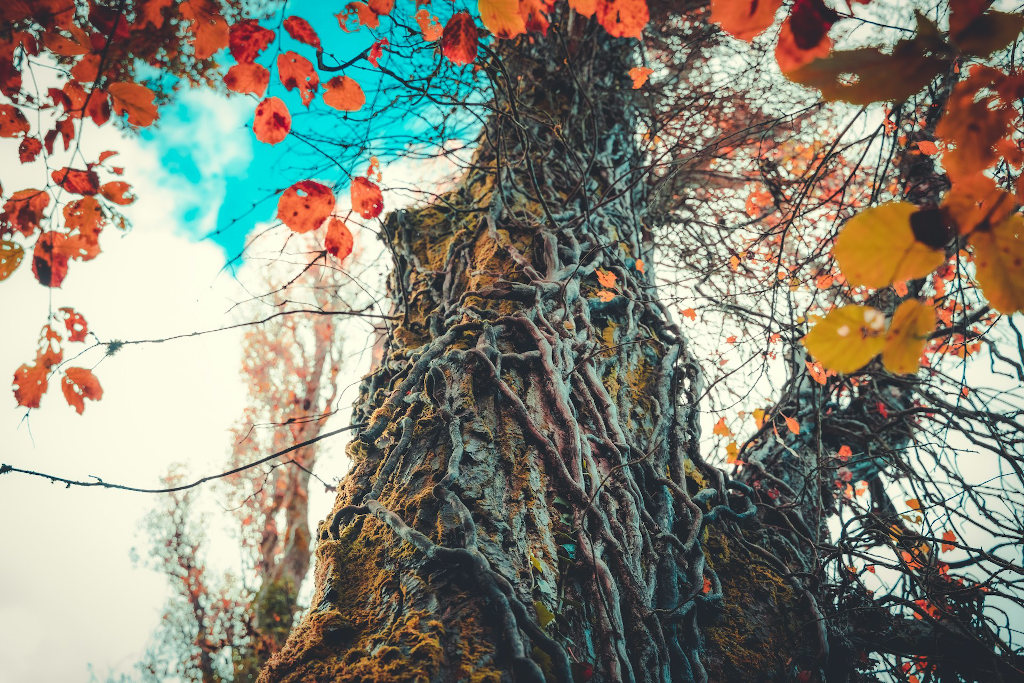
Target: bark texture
527,500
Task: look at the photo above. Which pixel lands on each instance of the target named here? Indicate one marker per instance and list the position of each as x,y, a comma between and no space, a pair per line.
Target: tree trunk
527,499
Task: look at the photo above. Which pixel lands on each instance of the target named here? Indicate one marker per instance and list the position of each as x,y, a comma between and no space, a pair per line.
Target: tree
531,497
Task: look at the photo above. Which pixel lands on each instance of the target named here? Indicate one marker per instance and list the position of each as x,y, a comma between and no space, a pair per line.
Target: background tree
531,495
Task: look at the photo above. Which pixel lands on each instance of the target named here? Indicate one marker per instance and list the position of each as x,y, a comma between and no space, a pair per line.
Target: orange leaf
80,384
732,451
135,100
343,93
721,429
792,425
639,265
12,122
879,246
29,149
11,254
429,25
913,503
305,205
689,313
999,264
30,385
817,372
605,295
976,202
623,18
77,44
502,17
338,242
76,324
210,31
367,199
24,210
77,181
247,39
459,39
584,7
948,539
248,78
272,121
49,260
927,147
744,19
639,74
299,29
844,453
118,192
606,278
295,71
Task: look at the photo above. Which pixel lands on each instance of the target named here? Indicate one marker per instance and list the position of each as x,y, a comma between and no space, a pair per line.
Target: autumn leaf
639,74
803,37
721,429
908,334
299,29
80,384
12,122
623,18
429,25
343,93
927,147
744,19
24,210
948,539
118,192
49,352
605,295
878,246
913,503
11,255
847,338
459,39
689,313
845,453
77,181
135,100
272,121
606,278
248,78
29,149
732,452
75,323
209,29
247,39
502,17
49,261
30,385
305,205
376,52
639,265
295,71
338,241
976,202
999,264
792,425
367,199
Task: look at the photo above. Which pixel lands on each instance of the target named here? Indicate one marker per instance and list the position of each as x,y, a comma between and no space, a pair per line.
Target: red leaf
84,215
382,7
305,205
117,191
459,39
367,199
744,19
24,210
29,149
296,71
299,29
343,93
49,261
429,25
12,122
623,18
248,78
135,100
30,385
76,181
247,40
77,327
804,35
339,239
49,352
80,384
272,121
377,51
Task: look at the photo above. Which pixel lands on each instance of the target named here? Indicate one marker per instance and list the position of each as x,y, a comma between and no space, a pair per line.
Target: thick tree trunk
527,499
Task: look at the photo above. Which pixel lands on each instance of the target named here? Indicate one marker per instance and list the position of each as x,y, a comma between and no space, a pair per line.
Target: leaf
30,384
987,33
758,416
77,181
135,100
118,192
927,147
877,247
295,71
908,334
305,205
12,122
948,539
459,39
75,43
913,503
344,94
639,265
210,31
804,35
606,278
732,451
382,7
975,202
640,74
299,29
544,615
974,123
11,254
429,25
502,17
247,39
76,325
689,313
623,18
24,210
721,429
248,78
999,264
338,242
29,149
744,19
272,121
845,453
869,75
376,52
792,425
817,372
80,384
367,199
605,295
847,338
49,261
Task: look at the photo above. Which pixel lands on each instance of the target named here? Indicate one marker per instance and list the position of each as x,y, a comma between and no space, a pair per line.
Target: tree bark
528,500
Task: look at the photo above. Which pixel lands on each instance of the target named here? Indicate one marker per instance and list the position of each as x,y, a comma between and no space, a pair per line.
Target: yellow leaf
502,17
999,263
877,247
544,615
11,254
732,451
908,333
721,429
847,338
758,415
